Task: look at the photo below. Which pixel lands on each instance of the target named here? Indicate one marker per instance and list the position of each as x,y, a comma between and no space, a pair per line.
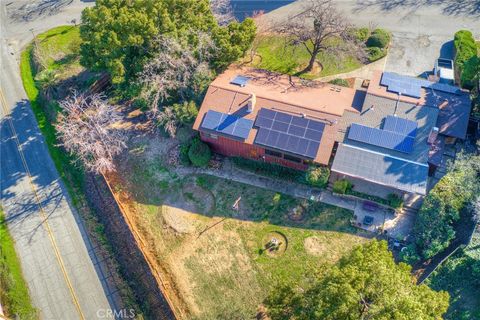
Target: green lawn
273,53
60,47
456,276
14,294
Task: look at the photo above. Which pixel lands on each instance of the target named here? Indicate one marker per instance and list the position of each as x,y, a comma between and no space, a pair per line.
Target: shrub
184,159
409,254
395,201
375,53
340,82
342,186
379,38
185,112
199,153
434,225
362,34
317,176
470,72
465,48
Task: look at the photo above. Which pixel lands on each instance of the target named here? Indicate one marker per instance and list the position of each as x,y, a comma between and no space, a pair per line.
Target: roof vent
240,81
251,103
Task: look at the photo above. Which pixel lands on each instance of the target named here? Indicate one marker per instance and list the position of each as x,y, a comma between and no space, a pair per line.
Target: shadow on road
449,7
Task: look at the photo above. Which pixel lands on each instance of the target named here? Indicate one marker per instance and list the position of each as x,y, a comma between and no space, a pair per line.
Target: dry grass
211,254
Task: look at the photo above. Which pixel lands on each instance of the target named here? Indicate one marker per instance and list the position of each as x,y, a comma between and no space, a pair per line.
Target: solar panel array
289,133
381,138
401,126
227,124
409,86
240,81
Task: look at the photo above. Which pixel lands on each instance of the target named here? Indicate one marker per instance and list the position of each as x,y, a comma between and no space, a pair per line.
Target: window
273,153
211,136
292,158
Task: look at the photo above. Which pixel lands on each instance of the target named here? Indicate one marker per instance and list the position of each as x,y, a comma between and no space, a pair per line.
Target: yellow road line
43,215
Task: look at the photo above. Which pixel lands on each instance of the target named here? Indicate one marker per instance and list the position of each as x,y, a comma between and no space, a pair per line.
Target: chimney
433,135
251,103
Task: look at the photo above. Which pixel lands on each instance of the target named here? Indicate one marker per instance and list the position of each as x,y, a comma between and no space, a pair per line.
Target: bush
434,225
465,48
375,53
470,72
379,38
362,34
340,82
184,159
199,153
409,254
317,176
185,112
342,186
395,201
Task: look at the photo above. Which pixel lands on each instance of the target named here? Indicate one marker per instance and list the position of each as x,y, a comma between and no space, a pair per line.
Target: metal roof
381,169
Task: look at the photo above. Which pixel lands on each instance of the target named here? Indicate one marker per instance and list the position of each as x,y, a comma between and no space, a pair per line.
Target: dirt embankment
133,264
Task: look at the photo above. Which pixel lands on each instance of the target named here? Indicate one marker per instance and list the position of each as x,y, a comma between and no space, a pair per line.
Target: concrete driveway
422,29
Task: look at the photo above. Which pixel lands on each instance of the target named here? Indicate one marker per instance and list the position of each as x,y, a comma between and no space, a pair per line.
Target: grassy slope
69,173
276,56
225,270
14,294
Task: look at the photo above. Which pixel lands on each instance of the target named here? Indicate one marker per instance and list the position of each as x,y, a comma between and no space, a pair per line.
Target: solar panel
285,132
381,138
410,86
240,81
400,126
445,88
230,125
267,113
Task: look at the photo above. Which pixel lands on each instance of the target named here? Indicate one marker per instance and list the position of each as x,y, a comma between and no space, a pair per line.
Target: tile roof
381,168
318,101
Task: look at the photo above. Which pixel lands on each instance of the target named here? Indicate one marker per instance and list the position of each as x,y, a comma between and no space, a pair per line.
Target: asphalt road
422,29
57,259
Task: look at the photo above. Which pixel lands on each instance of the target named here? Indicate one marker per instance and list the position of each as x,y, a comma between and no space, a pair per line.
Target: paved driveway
422,29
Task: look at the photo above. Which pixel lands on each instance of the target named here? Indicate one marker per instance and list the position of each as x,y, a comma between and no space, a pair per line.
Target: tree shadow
247,8
449,7
32,193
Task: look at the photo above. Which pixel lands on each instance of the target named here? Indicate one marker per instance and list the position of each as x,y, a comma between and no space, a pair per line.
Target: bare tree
168,120
173,67
222,10
86,128
317,25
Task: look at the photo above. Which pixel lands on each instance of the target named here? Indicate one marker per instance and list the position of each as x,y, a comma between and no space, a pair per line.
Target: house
274,118
397,139
386,139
